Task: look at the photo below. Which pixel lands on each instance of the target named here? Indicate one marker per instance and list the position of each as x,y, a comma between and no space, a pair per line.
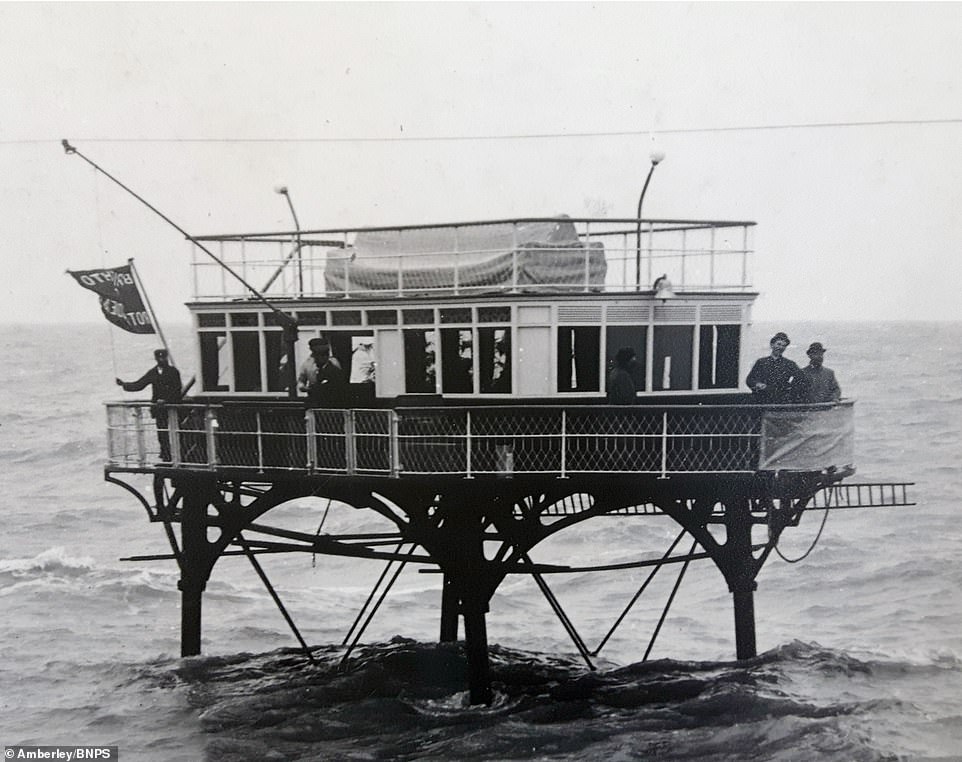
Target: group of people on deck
774,380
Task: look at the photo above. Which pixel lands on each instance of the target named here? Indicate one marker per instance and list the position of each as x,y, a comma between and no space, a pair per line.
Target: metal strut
387,568
563,617
270,589
671,598
637,595
360,631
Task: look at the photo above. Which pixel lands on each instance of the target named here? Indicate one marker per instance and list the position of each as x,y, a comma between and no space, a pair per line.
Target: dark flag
120,298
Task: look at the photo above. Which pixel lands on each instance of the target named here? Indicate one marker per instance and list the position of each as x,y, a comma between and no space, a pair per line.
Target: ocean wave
55,561
407,699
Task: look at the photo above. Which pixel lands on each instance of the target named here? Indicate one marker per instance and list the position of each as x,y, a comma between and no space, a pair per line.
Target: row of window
480,359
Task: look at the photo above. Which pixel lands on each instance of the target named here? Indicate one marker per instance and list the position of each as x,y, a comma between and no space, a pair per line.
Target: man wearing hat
324,383
772,379
164,380
307,373
820,382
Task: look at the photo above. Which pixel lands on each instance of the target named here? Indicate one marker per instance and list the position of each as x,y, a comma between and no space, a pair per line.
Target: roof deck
530,255
512,440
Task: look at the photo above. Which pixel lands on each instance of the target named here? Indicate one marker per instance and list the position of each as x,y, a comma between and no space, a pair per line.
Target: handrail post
564,444
310,431
711,259
744,256
457,261
210,429
467,442
173,430
394,443
651,253
139,430
587,257
260,441
664,445
350,442
514,257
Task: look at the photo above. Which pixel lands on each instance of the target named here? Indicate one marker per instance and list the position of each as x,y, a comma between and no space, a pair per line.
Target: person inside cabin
621,384
328,389
820,382
307,373
775,380
166,389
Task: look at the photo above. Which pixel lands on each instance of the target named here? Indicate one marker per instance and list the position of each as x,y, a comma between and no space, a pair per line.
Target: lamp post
656,158
282,190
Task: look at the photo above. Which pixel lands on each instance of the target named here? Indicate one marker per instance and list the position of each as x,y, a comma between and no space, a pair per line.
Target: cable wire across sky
509,136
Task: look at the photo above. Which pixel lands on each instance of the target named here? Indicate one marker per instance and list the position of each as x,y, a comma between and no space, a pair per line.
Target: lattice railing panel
471,441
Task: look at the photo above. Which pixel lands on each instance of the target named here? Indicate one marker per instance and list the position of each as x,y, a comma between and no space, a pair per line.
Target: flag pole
288,323
150,308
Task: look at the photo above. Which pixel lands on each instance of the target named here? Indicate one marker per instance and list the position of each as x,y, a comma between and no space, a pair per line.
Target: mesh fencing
473,441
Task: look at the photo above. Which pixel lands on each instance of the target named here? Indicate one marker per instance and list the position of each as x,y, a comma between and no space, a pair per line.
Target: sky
836,127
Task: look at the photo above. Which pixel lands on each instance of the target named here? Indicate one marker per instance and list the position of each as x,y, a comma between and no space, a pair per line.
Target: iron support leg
449,612
194,570
476,650
744,624
741,580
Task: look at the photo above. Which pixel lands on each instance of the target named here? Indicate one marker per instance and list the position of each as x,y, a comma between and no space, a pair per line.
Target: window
214,361
363,360
418,317
346,317
579,355
719,347
382,317
312,318
277,370
671,357
457,361
247,361
211,320
243,318
419,361
494,366
456,315
634,336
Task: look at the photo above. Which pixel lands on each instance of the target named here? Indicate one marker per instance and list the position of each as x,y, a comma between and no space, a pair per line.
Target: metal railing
501,256
478,441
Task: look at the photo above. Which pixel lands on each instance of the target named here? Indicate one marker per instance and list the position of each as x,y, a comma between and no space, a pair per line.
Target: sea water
860,644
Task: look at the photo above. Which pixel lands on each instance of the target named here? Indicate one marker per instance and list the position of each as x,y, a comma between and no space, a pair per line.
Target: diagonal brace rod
671,598
562,617
637,595
270,589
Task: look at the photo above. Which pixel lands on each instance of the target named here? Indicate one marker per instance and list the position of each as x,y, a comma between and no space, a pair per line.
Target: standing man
772,379
307,373
166,389
820,382
326,387
621,384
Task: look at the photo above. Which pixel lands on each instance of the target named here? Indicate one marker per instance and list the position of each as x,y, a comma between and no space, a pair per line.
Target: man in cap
307,373
326,386
820,382
772,379
166,389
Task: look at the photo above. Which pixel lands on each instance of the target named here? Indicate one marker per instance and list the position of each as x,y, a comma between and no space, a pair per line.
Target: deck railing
595,255
484,441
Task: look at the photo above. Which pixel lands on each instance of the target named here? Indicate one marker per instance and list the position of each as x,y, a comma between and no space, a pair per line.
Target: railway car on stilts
474,416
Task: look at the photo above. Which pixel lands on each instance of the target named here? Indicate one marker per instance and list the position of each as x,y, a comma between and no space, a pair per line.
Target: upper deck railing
530,255
477,441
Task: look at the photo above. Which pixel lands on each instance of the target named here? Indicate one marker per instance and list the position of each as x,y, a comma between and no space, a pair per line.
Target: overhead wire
511,136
